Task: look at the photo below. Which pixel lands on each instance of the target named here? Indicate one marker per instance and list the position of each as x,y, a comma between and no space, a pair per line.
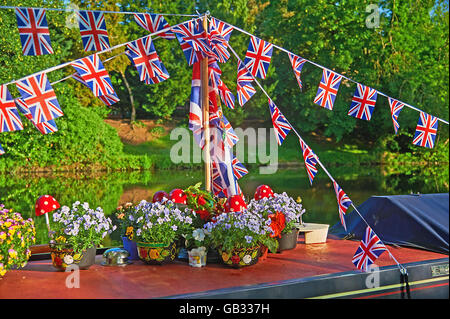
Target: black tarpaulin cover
419,221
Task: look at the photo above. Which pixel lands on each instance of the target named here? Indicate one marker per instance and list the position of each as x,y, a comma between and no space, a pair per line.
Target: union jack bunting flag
343,202
38,95
9,116
225,94
190,54
214,72
94,74
2,151
396,107
328,88
93,30
370,248
310,160
153,23
33,30
195,112
426,130
363,102
107,99
239,170
280,124
43,127
142,54
194,35
219,35
244,88
258,56
229,136
297,65
218,187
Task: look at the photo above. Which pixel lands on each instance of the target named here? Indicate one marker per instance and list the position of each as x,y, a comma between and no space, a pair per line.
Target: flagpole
205,113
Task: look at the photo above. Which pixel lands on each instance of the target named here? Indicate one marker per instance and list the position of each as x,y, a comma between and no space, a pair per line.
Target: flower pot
241,257
288,241
197,257
131,247
157,253
63,256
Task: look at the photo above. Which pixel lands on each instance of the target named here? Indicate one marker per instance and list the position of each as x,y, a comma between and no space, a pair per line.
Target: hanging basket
288,241
63,256
240,257
157,253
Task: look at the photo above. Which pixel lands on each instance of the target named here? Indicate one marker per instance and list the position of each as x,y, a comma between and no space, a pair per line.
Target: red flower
278,222
201,201
142,252
204,214
235,259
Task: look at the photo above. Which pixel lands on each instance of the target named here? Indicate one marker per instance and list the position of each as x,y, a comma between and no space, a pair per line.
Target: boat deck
273,277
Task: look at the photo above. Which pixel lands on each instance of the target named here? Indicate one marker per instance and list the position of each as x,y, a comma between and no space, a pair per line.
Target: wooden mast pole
205,113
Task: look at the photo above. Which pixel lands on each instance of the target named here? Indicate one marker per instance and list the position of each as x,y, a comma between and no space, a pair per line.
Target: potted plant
125,221
16,236
158,227
77,232
285,215
197,244
238,236
200,201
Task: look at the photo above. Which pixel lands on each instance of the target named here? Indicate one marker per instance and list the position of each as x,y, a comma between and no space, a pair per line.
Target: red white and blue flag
370,248
93,30
107,99
239,169
229,136
396,106
33,30
94,74
426,130
43,127
363,102
153,23
225,94
9,115
38,95
192,35
258,57
244,88
297,66
328,88
310,160
343,202
142,54
2,151
280,124
219,35
195,112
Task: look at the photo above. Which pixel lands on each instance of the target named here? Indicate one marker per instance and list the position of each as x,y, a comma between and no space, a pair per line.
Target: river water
108,190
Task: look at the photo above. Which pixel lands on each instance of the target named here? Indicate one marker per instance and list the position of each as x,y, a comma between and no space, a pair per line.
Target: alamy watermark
373,19
254,146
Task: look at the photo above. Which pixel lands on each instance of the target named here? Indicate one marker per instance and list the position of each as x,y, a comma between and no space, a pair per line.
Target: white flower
247,259
198,234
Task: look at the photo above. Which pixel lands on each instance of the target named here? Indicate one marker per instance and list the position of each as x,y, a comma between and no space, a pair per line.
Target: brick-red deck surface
138,281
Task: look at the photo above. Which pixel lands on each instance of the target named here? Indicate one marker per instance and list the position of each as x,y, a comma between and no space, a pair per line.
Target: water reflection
108,190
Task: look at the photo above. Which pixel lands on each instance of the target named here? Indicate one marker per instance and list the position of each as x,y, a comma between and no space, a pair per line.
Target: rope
324,68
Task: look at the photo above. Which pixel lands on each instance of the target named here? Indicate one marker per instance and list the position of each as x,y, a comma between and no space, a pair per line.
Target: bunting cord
114,12
60,66
324,68
400,266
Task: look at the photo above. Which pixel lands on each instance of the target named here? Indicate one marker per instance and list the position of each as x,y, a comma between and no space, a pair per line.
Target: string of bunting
38,101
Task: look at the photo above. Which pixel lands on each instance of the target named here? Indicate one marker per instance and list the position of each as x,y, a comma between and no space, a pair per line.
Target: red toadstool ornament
263,191
160,196
178,196
44,205
235,204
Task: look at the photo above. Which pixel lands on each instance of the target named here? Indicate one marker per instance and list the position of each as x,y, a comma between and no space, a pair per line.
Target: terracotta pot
63,256
157,253
241,257
288,241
